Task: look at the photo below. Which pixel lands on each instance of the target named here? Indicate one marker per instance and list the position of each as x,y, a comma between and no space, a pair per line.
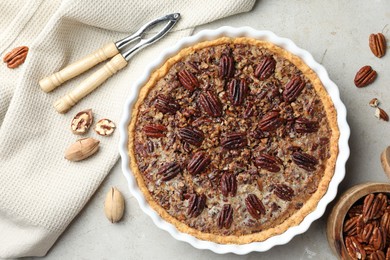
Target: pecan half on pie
233,140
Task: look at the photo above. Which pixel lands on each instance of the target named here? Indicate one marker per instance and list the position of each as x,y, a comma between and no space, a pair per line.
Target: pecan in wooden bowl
359,224
235,140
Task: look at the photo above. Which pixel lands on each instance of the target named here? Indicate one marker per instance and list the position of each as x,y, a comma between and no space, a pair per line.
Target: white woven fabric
40,191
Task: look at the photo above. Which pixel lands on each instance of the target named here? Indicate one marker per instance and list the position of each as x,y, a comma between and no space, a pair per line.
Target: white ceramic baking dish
333,92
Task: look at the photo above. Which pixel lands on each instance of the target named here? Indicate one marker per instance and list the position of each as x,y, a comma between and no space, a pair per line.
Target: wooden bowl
340,210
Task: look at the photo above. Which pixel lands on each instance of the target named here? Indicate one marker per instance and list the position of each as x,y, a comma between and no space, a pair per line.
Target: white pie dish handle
343,155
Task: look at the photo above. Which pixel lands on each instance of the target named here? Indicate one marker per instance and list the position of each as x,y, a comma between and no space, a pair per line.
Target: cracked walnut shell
82,121
104,127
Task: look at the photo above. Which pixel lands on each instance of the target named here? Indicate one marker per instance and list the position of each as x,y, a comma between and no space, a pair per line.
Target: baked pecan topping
234,141
226,67
191,135
254,206
225,218
210,104
156,130
293,88
303,125
228,184
150,146
166,104
305,161
249,110
268,162
266,68
237,91
270,121
198,163
260,185
188,80
354,248
365,76
283,191
196,204
377,43
16,57
388,253
169,171
294,148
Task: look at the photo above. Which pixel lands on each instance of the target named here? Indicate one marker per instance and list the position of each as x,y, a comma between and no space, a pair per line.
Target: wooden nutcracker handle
51,82
89,84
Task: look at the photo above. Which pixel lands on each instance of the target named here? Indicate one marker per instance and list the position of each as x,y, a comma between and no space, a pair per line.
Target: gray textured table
336,33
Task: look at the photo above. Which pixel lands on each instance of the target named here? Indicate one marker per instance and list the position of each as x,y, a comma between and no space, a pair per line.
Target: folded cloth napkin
40,191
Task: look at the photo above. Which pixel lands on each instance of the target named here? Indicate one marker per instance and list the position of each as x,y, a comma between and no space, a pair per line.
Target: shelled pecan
266,68
198,163
305,161
254,206
188,80
156,130
196,204
225,218
270,121
377,43
293,88
237,91
210,104
166,104
228,184
226,66
192,135
365,76
169,171
268,162
16,57
234,141
283,191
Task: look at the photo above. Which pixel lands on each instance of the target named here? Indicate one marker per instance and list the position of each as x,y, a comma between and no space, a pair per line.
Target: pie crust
291,216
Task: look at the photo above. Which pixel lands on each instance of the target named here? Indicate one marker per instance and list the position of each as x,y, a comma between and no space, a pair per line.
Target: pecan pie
233,140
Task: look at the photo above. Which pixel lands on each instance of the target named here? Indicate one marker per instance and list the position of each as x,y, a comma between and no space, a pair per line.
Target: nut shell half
385,160
81,122
105,127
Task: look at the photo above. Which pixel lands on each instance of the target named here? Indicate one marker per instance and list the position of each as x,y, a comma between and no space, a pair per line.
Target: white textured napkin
40,191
